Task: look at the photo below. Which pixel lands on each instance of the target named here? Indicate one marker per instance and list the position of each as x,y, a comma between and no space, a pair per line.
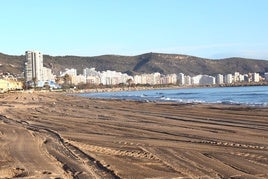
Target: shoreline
108,90
138,88
176,102
144,97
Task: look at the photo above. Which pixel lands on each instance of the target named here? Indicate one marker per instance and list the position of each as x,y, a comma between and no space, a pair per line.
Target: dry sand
49,135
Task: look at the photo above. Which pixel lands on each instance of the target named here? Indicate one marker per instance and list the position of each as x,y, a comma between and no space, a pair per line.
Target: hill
145,63
11,64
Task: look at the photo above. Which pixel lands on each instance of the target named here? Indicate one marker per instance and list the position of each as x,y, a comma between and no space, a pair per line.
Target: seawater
252,96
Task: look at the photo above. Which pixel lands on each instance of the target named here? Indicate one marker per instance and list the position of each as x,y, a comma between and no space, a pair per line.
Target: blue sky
204,28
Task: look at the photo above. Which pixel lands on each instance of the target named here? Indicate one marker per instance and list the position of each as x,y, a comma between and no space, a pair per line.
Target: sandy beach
53,135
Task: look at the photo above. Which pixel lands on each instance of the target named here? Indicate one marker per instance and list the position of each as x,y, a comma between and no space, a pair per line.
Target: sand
50,135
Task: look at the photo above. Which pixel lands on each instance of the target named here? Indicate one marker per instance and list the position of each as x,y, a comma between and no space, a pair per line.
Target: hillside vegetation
145,63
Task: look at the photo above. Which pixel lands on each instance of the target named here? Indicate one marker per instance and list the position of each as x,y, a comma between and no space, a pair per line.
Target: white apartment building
106,77
236,77
113,78
181,79
219,79
241,78
125,77
144,79
152,79
256,77
188,80
228,78
266,76
137,79
172,79
93,80
247,78
47,74
203,80
90,72
169,79
92,76
70,72
33,66
79,79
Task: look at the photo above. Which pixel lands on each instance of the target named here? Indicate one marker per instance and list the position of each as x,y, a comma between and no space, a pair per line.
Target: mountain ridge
144,63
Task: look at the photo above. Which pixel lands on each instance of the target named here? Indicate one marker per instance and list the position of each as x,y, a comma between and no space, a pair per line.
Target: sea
249,95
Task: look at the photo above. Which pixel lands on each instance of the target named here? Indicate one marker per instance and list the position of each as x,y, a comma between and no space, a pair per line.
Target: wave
231,96
265,104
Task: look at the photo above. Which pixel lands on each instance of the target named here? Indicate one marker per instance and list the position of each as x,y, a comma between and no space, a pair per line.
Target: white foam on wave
231,96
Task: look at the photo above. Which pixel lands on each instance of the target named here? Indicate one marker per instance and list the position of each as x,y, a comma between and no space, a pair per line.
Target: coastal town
153,89
35,75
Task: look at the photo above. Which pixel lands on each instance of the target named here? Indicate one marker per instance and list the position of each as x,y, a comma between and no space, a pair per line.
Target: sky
204,28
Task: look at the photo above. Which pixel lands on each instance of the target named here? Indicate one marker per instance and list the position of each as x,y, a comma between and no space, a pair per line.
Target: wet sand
49,135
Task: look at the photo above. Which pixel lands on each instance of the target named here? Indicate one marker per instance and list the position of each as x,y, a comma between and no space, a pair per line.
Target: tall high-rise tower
33,66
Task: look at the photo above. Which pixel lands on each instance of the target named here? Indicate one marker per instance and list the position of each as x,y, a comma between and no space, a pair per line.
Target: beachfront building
141,79
172,79
228,79
241,78
137,79
266,76
154,78
33,66
188,80
79,79
247,78
168,79
69,76
236,77
256,77
114,78
92,76
9,85
70,72
34,72
48,75
219,79
203,80
90,72
126,79
151,79
107,76
181,79
93,80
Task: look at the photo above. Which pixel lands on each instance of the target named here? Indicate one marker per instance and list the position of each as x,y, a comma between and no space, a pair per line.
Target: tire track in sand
73,160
